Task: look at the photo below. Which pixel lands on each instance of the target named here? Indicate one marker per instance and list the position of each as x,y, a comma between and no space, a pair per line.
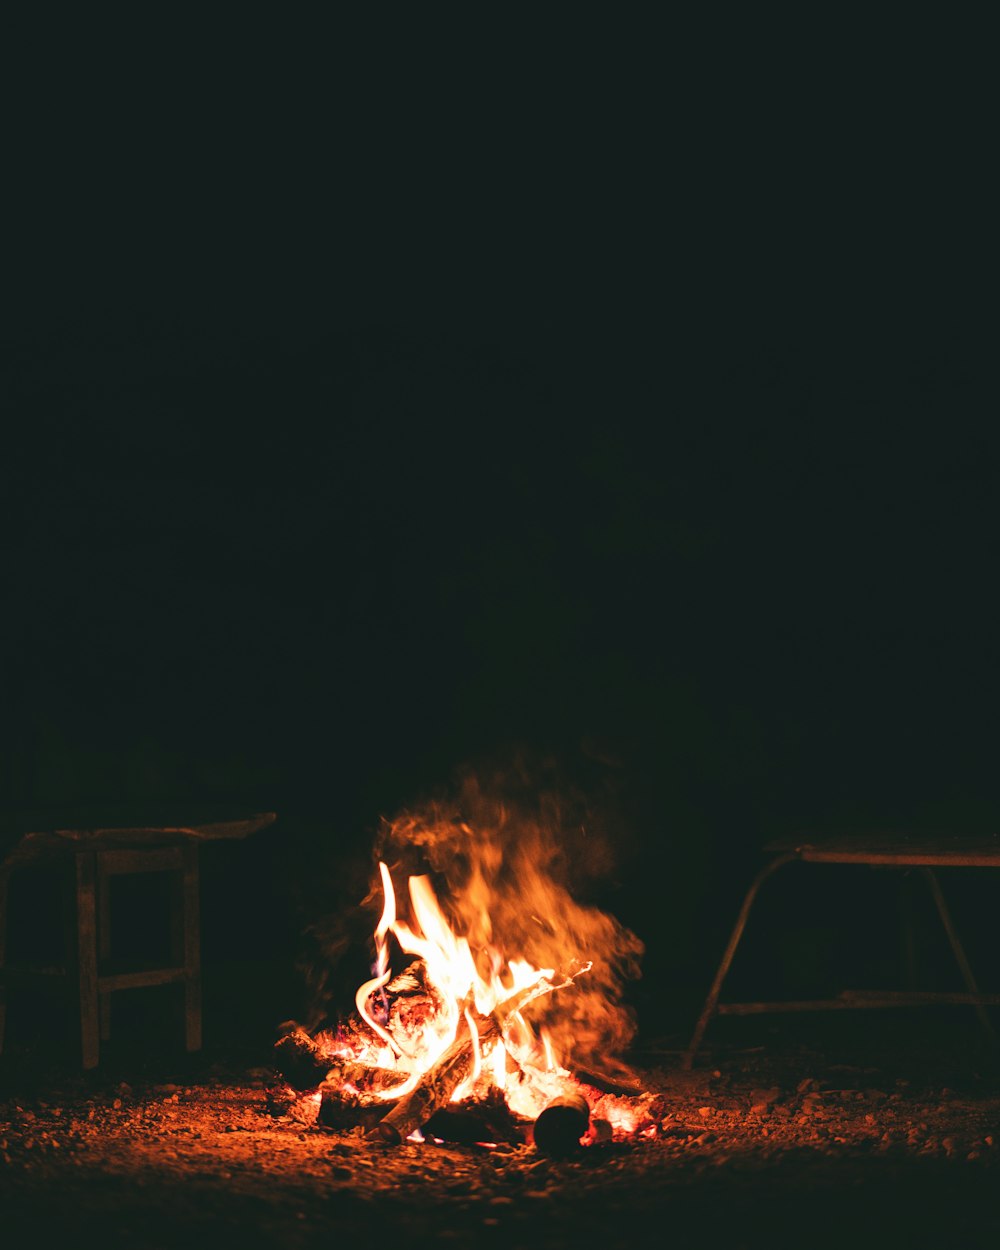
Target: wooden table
97,855
923,853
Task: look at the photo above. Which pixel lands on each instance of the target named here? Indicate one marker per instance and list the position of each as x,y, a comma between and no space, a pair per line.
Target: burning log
412,1003
478,1120
625,1086
342,1107
302,1061
435,1088
558,1129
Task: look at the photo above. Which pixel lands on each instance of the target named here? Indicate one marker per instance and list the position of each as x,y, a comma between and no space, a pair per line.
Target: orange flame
507,924
450,969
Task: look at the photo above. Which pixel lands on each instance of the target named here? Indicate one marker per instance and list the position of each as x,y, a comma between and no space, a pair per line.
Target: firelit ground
823,1133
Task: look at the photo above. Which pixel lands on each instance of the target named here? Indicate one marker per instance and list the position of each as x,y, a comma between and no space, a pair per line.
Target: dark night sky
360,429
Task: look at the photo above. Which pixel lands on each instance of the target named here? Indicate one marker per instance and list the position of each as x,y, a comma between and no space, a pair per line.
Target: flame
507,925
515,852
450,969
382,972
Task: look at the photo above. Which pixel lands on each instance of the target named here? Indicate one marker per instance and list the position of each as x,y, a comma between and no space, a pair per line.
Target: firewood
608,1084
486,1119
343,1108
435,1088
559,1127
300,1060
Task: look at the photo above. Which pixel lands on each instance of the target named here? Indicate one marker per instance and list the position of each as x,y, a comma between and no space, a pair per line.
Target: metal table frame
925,855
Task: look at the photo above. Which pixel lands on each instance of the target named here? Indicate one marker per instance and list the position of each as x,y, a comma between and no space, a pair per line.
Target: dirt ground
823,1134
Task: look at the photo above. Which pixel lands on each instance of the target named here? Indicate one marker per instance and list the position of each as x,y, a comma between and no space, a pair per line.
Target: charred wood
608,1084
436,1086
487,1119
301,1061
558,1129
344,1108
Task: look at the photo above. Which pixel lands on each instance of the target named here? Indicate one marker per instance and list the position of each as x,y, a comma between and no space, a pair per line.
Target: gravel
788,1145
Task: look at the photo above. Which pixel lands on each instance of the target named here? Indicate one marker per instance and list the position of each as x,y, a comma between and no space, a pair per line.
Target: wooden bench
925,854
96,856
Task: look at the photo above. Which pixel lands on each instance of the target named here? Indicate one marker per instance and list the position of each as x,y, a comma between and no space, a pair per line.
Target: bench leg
957,949
104,944
185,923
711,1002
86,956
4,877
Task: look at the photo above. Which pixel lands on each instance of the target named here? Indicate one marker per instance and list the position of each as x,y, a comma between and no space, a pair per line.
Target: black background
617,396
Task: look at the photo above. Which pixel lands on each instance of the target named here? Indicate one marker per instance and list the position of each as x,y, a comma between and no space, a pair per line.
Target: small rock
765,1097
704,1112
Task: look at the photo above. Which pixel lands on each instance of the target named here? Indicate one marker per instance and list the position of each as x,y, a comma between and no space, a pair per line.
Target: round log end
558,1129
387,1133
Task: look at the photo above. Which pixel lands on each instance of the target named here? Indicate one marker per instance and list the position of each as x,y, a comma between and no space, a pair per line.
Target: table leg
4,877
957,949
186,941
104,943
86,957
711,1002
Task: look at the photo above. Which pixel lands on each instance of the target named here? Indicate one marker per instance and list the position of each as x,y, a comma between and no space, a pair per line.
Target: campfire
493,1013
